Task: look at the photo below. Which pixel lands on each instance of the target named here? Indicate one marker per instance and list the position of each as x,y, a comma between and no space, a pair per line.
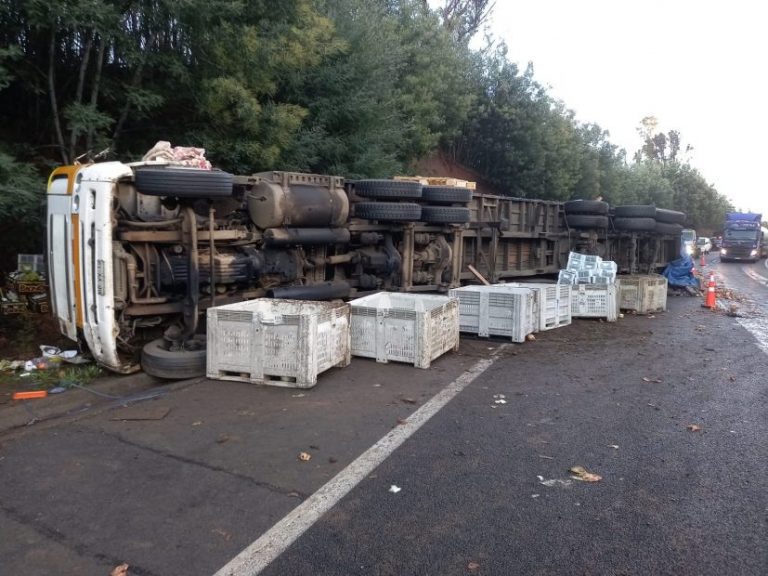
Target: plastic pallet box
277,342
496,310
412,328
643,294
595,301
552,304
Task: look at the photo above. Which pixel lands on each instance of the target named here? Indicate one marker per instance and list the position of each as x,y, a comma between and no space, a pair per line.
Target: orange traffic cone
709,298
702,261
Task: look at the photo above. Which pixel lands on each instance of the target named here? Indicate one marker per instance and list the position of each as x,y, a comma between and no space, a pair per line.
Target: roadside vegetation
358,88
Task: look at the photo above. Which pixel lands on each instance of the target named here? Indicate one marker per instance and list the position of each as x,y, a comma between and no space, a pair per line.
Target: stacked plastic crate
594,286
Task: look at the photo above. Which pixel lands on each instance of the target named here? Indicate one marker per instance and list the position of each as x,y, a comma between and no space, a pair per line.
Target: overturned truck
138,252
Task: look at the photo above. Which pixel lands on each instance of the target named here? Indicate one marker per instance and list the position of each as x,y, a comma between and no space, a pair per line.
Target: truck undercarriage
137,253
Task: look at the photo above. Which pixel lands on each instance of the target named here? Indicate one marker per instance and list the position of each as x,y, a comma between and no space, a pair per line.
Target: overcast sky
699,67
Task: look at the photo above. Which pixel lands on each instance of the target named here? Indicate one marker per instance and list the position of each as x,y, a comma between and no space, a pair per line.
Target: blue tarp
680,272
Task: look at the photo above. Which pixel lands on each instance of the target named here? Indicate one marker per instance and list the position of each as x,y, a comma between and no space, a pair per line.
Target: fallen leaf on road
473,566
408,400
222,439
305,456
732,378
693,427
121,570
223,533
530,337
657,380
581,473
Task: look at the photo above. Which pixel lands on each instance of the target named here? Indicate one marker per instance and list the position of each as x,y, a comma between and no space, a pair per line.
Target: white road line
277,539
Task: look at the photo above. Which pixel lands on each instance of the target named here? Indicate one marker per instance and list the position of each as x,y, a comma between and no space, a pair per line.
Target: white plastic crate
578,262
412,328
643,294
31,263
496,310
277,342
595,301
552,304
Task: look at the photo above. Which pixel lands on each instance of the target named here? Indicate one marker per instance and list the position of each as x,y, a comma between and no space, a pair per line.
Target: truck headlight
723,251
753,253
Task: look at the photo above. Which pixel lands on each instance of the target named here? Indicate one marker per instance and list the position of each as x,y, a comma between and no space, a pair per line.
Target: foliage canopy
360,88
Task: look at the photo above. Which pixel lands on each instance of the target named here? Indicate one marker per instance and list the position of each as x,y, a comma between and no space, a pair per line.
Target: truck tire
388,189
667,228
670,216
446,195
183,182
635,224
635,211
390,211
157,360
586,221
586,207
444,214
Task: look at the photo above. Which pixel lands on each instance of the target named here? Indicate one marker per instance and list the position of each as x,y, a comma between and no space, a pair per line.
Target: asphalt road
484,485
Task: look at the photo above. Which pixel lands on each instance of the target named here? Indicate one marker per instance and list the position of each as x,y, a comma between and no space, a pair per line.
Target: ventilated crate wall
595,301
412,328
496,310
552,304
643,293
277,342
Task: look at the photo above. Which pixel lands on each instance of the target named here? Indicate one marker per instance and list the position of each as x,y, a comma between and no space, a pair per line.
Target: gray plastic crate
595,301
412,328
277,342
496,310
643,294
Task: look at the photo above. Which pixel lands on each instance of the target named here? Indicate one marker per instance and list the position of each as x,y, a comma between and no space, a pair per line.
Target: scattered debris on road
580,473
656,380
394,489
305,456
693,427
552,482
614,446
473,566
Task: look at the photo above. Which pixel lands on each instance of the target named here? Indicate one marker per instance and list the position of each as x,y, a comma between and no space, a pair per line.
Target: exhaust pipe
324,291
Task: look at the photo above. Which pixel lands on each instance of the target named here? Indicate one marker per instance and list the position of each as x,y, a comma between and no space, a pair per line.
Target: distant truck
743,237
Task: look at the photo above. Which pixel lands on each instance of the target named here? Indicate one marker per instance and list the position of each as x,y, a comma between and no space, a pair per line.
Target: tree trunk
52,94
96,86
73,133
